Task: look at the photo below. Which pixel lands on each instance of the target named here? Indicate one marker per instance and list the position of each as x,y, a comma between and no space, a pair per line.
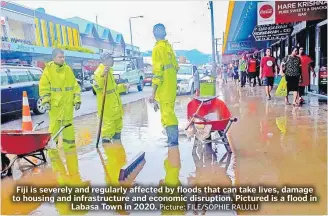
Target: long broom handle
102,110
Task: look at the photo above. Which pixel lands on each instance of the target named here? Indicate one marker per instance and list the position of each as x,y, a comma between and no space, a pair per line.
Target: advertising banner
266,13
296,11
272,32
276,12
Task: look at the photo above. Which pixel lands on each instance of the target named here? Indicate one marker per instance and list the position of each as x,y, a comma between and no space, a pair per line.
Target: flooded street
272,144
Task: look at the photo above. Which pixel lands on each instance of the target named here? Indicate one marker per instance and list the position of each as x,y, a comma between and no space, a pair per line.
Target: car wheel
39,108
140,85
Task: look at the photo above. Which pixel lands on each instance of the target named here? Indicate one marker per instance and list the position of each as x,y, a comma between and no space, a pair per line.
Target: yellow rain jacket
113,109
165,67
58,87
68,177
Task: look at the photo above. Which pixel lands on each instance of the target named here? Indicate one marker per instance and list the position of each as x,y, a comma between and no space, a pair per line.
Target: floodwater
272,144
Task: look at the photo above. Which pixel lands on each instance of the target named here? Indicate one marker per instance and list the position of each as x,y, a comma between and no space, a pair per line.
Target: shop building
99,38
29,36
309,31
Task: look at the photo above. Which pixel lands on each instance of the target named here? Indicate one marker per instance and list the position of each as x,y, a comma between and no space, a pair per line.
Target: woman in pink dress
306,67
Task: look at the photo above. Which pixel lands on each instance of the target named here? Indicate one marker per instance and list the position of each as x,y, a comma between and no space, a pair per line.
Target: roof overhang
241,21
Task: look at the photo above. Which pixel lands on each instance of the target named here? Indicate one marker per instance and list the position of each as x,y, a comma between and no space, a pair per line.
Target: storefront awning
241,21
16,47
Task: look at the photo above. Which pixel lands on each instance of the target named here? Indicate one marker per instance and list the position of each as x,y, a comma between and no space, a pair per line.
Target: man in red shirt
268,70
252,70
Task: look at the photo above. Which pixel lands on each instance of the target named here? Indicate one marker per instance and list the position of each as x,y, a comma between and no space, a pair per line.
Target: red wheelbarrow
24,144
199,107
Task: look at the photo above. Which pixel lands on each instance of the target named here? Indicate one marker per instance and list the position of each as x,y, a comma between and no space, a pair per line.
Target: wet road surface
88,106
273,145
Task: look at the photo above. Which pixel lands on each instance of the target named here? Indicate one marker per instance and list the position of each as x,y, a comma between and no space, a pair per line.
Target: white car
188,79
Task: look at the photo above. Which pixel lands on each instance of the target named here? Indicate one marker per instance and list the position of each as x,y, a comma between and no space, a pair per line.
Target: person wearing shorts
268,70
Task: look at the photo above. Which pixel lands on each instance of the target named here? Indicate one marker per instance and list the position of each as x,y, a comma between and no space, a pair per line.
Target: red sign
297,11
266,11
3,3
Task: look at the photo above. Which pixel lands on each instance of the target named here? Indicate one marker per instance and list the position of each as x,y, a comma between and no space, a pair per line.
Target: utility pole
217,51
213,41
131,30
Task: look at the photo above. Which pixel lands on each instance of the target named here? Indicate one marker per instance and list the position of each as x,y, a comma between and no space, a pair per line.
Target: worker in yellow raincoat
165,67
113,109
60,93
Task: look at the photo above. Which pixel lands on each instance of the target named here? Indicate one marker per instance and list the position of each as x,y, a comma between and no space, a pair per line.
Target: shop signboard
323,76
275,12
272,32
242,45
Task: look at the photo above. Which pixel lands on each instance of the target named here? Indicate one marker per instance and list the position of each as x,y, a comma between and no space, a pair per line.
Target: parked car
86,86
127,73
186,79
15,80
148,76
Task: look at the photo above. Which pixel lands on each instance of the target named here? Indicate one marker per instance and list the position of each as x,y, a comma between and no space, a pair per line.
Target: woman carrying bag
291,68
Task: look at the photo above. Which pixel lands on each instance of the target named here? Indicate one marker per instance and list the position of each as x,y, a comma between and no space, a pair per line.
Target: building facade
99,38
309,31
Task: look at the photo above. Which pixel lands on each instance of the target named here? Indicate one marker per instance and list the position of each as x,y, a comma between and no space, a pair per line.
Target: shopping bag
282,88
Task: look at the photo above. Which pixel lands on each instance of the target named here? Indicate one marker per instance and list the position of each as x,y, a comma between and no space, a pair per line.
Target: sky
187,22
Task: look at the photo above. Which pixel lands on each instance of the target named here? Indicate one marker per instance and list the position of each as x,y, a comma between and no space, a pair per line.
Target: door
36,76
134,73
7,100
22,80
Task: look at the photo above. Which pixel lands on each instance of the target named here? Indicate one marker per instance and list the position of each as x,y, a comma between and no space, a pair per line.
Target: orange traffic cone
26,120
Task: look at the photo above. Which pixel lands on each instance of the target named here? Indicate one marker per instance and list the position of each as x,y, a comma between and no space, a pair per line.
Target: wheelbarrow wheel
5,163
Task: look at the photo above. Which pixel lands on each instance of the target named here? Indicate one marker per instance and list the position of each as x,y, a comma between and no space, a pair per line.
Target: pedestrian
113,109
196,79
258,63
306,68
291,68
60,93
165,68
268,70
235,73
252,70
225,74
243,70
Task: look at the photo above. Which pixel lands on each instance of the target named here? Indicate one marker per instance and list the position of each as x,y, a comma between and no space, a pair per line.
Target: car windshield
119,66
185,70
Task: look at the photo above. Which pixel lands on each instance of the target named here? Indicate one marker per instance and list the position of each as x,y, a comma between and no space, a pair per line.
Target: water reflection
68,176
172,166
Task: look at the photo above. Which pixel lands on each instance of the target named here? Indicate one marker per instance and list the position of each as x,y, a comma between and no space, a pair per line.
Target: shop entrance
323,61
